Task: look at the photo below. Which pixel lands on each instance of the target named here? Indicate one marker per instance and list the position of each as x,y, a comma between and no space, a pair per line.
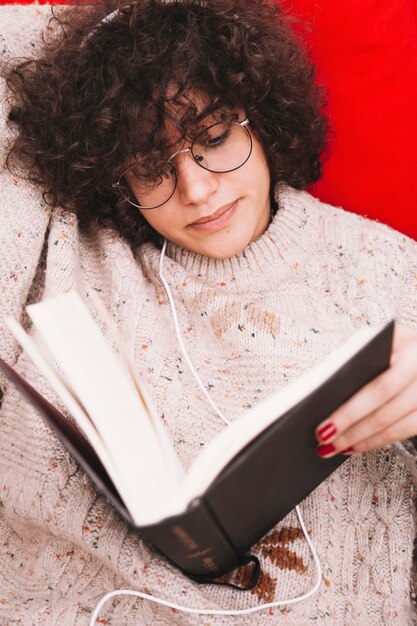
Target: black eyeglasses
222,147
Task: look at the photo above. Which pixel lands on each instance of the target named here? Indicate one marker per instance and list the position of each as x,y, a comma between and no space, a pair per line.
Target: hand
380,413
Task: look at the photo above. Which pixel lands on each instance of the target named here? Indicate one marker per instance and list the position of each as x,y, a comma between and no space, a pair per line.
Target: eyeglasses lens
222,147
148,187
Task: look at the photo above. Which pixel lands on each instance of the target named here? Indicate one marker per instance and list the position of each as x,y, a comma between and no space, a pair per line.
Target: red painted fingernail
326,449
325,432
348,451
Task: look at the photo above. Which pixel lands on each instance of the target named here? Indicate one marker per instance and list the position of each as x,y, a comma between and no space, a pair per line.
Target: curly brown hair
98,93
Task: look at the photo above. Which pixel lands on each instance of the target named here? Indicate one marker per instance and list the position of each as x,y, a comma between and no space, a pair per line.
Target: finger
377,421
370,398
398,431
402,338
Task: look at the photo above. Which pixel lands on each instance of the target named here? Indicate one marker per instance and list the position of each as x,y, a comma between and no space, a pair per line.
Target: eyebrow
190,133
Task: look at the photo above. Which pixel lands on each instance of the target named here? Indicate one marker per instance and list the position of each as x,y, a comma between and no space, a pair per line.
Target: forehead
189,112
177,131
179,118
179,100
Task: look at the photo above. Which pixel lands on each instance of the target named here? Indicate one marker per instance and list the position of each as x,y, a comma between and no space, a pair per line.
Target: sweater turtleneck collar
290,236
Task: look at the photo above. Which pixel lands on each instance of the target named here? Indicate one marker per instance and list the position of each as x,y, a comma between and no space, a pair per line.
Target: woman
200,124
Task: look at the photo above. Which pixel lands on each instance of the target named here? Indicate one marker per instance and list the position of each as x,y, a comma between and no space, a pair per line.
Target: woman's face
215,214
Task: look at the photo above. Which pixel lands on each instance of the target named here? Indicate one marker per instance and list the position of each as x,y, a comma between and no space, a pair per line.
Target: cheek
258,166
165,221
154,218
153,221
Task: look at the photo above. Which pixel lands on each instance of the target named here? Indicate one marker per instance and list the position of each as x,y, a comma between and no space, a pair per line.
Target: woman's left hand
380,413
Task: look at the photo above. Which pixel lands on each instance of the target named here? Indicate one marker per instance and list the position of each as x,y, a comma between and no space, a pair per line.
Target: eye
214,137
218,139
156,172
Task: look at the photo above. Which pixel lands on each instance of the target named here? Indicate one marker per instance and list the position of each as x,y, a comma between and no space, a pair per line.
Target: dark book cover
279,468
273,473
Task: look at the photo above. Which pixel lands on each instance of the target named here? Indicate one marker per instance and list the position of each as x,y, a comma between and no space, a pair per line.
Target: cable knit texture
251,324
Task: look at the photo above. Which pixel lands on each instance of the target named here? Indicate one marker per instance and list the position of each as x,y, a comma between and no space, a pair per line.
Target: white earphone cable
179,337
179,607
186,609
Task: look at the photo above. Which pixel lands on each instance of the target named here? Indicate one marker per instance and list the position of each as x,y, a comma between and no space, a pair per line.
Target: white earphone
173,605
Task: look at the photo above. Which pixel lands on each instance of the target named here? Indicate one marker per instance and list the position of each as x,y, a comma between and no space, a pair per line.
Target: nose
194,183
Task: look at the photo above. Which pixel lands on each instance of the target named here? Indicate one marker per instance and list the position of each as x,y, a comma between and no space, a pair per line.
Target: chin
225,250
221,257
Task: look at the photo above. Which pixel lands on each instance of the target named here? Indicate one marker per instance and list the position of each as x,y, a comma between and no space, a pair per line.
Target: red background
366,57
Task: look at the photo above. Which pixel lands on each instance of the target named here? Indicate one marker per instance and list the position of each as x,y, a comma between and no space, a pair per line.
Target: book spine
194,542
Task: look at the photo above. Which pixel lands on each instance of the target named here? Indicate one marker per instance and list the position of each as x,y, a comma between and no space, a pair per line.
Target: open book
246,479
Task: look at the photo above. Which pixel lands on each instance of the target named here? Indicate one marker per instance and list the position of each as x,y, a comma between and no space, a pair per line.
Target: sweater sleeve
407,302
406,314
407,451
384,263
24,219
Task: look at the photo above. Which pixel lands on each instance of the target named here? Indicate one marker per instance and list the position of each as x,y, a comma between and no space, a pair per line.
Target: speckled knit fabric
251,324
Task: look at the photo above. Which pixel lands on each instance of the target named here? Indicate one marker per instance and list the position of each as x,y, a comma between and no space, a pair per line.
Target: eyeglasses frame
244,123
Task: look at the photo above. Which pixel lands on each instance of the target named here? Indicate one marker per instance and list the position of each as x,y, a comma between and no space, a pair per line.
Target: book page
66,395
145,477
145,396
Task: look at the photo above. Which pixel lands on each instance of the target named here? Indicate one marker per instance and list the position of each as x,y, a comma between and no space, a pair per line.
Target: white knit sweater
251,324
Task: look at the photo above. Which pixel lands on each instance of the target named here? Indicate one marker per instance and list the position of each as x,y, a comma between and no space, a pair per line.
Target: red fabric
366,57
55,2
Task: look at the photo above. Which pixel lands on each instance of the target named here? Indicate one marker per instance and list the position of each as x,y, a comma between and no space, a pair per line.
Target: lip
217,219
